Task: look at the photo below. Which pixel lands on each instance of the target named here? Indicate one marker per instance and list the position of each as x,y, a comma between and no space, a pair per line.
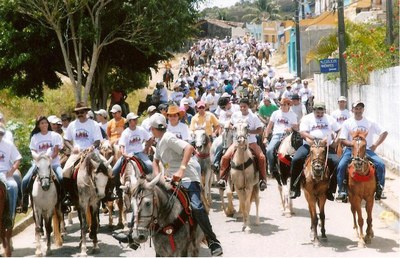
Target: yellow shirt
208,121
115,129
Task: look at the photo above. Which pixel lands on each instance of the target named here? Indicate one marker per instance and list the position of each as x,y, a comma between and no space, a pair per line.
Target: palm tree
267,10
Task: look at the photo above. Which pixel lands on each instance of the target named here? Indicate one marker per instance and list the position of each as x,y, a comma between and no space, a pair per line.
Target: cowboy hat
81,106
172,110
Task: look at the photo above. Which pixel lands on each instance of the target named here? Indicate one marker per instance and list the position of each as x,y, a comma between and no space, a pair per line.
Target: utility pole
303,15
389,22
342,49
298,57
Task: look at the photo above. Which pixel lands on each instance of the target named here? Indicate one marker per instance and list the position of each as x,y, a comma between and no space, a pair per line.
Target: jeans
346,159
271,155
140,155
217,155
12,191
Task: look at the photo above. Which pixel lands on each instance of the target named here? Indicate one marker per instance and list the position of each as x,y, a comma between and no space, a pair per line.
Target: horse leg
7,244
120,204
230,211
57,218
94,211
38,219
282,198
209,178
370,233
359,223
256,198
314,220
110,207
49,229
321,204
82,216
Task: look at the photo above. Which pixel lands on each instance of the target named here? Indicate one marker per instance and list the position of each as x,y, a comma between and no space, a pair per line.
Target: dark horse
91,180
162,215
288,146
362,186
6,222
168,78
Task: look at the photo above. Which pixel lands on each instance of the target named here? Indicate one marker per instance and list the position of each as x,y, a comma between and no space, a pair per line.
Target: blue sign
330,65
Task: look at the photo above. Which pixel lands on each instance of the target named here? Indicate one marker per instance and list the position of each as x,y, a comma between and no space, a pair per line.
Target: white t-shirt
169,151
225,115
146,124
298,110
181,131
176,96
83,135
341,115
252,120
282,120
41,143
191,101
319,127
212,101
9,136
352,125
104,126
305,93
133,140
8,155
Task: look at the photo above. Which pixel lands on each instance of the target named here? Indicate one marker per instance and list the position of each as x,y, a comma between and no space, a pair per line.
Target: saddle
140,164
7,220
252,160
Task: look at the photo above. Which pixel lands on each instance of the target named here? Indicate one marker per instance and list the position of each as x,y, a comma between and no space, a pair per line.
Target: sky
219,3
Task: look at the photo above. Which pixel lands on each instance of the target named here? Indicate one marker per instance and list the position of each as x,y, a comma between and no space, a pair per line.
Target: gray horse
161,215
92,178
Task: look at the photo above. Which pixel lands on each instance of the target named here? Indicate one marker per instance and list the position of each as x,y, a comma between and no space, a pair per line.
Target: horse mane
359,133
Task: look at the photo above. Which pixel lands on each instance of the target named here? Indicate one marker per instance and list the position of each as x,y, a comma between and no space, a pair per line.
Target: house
213,28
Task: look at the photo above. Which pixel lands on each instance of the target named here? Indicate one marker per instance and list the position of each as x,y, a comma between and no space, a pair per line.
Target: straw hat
172,110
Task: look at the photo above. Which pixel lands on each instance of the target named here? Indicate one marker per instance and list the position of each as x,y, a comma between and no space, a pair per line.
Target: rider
179,129
316,125
255,127
82,134
115,127
43,140
342,113
359,122
283,122
131,144
10,158
206,120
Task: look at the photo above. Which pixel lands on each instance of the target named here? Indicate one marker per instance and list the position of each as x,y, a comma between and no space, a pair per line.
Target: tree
87,29
267,10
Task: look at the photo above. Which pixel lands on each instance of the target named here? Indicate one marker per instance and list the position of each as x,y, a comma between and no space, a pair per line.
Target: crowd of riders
219,82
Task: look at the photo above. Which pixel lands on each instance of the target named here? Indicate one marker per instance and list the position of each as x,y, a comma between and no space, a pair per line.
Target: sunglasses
201,107
80,112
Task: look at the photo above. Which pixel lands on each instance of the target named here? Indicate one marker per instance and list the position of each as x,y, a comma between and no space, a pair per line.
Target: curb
23,224
386,205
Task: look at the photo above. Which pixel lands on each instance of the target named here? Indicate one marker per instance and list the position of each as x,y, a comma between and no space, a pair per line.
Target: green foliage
366,51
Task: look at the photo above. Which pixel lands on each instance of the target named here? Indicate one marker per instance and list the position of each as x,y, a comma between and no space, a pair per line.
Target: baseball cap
101,112
151,109
225,95
342,98
295,96
131,116
201,104
90,114
355,104
158,121
185,102
116,108
319,105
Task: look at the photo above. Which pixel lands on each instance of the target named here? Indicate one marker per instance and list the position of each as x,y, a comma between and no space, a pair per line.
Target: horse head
241,130
318,157
106,149
201,139
359,159
44,170
98,171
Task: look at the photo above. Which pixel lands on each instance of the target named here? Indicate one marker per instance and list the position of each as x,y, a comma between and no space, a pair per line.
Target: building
213,28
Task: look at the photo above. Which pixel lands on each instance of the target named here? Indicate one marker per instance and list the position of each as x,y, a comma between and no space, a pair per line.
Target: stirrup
221,184
67,200
263,185
342,196
21,209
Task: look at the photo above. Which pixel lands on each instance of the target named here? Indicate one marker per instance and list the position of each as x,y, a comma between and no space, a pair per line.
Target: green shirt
267,111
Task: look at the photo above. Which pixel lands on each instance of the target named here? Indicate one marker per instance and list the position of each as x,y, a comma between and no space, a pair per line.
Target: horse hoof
361,245
38,254
288,214
246,230
120,226
317,244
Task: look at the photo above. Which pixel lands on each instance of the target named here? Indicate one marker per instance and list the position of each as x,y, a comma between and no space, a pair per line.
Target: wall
382,105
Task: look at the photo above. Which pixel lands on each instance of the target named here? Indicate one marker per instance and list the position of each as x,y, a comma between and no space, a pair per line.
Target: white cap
54,120
90,114
158,121
131,116
151,109
116,108
342,98
101,112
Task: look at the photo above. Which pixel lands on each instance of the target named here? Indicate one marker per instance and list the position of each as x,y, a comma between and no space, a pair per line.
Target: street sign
329,65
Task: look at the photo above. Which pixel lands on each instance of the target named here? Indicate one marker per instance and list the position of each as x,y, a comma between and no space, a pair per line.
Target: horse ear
364,134
109,161
35,155
150,185
311,143
94,164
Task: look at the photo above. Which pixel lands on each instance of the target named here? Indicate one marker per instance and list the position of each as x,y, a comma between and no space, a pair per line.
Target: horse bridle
317,160
357,158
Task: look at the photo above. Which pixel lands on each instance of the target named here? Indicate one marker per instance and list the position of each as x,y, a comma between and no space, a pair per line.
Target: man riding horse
255,127
359,122
316,125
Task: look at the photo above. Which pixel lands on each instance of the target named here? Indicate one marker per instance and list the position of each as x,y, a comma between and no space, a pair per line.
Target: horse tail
56,227
88,216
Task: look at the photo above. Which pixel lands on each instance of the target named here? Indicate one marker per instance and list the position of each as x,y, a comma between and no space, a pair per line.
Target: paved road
275,236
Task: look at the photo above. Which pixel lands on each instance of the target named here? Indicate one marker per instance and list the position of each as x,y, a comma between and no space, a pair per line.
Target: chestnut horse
316,185
6,225
362,186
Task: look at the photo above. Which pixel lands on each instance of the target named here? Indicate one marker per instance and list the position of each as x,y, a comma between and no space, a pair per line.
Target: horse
191,60
92,178
361,186
168,77
6,222
315,185
162,215
263,53
287,148
244,178
46,205
202,145
108,151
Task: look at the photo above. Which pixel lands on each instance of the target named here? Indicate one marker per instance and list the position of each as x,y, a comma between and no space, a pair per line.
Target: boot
128,239
379,192
110,195
294,188
67,185
263,184
223,172
203,220
24,206
330,195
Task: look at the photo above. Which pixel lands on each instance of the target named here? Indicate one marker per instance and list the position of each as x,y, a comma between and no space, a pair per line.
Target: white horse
244,178
45,203
202,145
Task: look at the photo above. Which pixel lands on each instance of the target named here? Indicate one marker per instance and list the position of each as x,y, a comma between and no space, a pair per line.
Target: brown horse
263,54
316,185
362,186
6,226
168,77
